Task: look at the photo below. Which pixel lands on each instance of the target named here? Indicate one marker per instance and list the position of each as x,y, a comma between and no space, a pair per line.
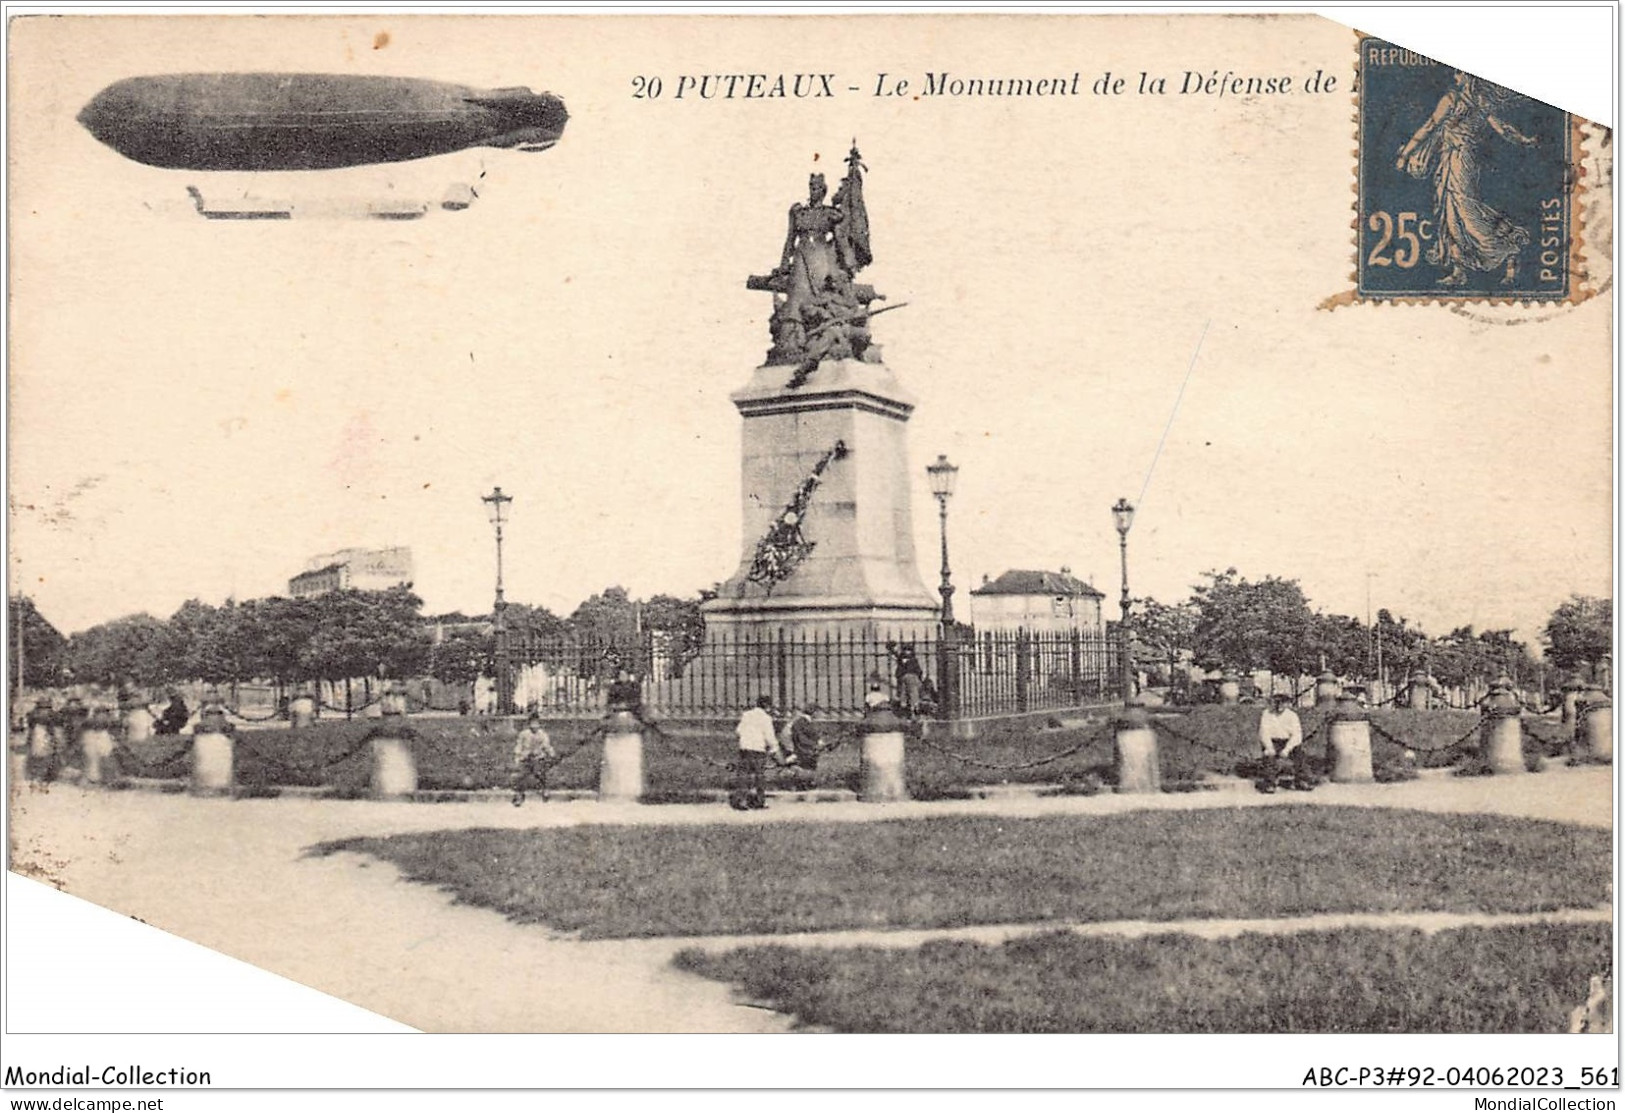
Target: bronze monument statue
819,311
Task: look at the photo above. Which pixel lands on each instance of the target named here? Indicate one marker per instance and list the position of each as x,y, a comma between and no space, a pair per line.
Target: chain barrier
417,706
1005,767
1392,740
1191,739
237,714
295,773
1325,721
348,710
681,752
1558,742
845,734
142,767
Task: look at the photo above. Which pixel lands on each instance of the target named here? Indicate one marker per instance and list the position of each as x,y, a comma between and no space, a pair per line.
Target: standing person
757,739
532,751
910,680
1280,740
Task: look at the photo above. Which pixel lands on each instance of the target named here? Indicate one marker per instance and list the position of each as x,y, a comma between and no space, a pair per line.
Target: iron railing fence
825,672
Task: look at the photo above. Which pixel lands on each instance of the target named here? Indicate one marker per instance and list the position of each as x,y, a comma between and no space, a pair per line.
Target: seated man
1280,741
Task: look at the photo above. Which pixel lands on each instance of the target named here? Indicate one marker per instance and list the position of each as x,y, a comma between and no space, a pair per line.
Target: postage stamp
1466,188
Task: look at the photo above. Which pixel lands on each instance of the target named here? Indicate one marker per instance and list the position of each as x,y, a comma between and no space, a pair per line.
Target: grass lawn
614,882
1512,979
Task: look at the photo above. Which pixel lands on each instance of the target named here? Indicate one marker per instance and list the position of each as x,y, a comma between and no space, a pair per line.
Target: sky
196,407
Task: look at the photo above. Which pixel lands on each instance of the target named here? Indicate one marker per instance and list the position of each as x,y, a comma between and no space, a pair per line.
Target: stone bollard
880,758
1571,707
40,762
213,765
1139,768
1229,688
1348,742
1595,729
137,723
620,771
301,710
97,744
1500,738
394,765
1326,689
1420,689
70,729
17,762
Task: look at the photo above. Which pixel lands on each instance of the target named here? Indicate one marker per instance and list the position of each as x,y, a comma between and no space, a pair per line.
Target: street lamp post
496,508
1123,518
942,475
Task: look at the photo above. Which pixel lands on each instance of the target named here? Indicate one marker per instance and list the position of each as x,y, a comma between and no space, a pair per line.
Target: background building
359,569
1036,601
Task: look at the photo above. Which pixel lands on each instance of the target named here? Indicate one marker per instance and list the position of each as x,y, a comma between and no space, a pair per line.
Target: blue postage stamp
1466,188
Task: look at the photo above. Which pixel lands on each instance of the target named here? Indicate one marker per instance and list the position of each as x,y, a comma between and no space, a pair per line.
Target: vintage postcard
894,525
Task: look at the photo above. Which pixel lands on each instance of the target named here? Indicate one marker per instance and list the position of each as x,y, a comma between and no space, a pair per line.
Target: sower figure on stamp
757,739
1452,148
1280,740
532,753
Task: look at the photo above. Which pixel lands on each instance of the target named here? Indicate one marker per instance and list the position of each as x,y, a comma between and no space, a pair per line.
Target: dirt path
1428,922
235,876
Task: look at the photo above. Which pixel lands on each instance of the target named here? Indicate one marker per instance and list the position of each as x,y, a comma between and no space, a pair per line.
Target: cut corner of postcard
1468,193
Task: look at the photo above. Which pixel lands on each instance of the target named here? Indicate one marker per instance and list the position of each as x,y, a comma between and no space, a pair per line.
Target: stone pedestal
41,743
394,768
880,775
212,761
620,774
861,576
1501,735
1502,742
301,711
97,743
1421,691
1348,743
1596,729
137,724
1139,767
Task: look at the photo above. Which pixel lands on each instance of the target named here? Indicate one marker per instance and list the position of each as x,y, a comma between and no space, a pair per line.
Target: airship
308,121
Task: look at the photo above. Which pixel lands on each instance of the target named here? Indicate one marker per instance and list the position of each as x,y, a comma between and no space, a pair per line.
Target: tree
1404,647
43,647
283,628
463,657
609,618
204,642
1248,625
1165,631
679,619
366,633
1580,632
526,621
1343,641
134,649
